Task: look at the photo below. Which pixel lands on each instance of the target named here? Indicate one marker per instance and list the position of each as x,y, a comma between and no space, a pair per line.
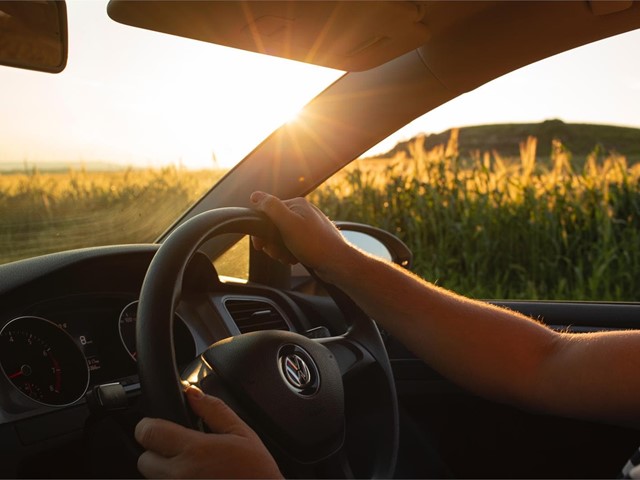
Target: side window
488,226
516,207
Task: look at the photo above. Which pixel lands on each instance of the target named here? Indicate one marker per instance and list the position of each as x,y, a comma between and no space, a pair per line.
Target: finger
281,213
161,436
216,414
281,254
274,250
277,210
258,243
153,465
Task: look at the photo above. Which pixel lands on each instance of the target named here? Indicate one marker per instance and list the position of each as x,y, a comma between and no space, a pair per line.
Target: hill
580,139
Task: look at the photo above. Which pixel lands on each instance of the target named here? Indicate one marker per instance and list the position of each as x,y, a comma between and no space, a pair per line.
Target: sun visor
344,35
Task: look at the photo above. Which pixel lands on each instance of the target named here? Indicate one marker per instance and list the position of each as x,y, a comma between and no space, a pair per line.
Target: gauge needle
15,375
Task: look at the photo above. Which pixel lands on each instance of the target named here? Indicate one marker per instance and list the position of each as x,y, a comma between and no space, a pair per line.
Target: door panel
448,432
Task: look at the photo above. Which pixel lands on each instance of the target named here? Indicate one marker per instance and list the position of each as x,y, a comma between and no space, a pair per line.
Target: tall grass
491,227
479,224
48,212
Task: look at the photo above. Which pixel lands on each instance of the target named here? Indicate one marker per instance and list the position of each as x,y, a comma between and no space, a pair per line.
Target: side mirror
372,240
33,34
377,242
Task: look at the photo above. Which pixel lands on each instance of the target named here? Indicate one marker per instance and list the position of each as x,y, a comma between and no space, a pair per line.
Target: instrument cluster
51,354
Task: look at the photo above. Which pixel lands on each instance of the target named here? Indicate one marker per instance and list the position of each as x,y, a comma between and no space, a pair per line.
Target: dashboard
68,324
71,318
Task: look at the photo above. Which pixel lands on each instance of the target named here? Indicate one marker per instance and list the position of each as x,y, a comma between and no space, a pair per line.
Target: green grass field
479,224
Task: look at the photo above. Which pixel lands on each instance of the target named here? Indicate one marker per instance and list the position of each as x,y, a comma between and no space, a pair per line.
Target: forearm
489,350
497,353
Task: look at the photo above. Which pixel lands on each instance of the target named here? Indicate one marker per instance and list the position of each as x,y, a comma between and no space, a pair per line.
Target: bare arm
494,352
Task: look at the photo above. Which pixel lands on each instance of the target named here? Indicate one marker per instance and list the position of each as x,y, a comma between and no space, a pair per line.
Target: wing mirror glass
377,242
33,34
369,244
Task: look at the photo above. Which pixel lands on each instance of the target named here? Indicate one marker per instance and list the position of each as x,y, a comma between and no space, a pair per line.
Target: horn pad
291,383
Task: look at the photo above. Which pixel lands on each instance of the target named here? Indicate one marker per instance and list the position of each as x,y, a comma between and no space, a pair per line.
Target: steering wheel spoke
350,355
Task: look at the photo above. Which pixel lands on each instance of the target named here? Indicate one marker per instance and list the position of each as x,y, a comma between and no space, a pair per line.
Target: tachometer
42,362
182,339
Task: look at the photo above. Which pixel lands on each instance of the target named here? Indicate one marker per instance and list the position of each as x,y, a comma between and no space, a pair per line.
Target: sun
292,116
235,102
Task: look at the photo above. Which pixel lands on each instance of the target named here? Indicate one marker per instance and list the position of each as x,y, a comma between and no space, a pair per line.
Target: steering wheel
323,407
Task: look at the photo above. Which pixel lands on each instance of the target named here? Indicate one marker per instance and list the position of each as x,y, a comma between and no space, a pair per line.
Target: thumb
215,413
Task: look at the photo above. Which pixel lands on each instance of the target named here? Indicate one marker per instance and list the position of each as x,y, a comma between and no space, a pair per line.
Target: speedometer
42,362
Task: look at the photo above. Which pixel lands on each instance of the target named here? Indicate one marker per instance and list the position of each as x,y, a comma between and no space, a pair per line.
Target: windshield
136,128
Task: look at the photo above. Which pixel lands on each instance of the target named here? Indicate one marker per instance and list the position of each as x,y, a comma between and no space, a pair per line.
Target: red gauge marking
15,375
58,374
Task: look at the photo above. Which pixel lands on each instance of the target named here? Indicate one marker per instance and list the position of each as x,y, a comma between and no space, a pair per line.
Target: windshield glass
136,128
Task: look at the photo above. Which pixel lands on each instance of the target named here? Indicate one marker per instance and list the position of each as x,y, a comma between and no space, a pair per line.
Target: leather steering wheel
323,407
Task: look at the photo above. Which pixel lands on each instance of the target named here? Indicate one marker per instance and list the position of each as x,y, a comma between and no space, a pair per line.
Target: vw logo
296,371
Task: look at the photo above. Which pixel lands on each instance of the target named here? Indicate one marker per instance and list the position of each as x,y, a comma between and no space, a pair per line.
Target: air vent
255,315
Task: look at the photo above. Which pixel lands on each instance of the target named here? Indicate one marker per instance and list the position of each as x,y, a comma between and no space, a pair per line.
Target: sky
597,83
137,97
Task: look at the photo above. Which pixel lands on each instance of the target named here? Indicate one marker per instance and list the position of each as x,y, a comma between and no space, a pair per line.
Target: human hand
308,234
233,450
